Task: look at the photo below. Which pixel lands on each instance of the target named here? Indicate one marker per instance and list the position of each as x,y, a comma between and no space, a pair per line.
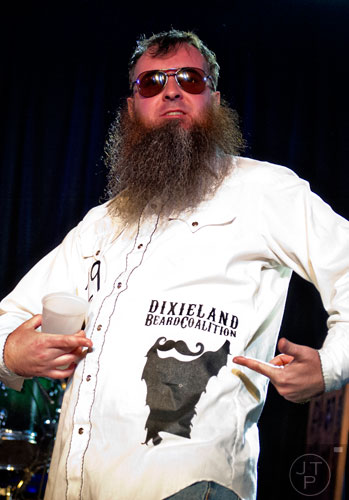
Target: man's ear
130,106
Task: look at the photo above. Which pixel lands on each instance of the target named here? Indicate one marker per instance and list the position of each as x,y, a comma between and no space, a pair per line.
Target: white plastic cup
63,313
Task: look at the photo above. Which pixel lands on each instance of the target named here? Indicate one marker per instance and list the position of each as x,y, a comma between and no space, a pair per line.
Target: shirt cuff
334,359
9,378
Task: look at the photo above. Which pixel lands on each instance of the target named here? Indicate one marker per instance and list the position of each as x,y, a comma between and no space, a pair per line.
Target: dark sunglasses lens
151,83
191,80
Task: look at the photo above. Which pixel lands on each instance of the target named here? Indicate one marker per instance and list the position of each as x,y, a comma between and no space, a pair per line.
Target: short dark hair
166,41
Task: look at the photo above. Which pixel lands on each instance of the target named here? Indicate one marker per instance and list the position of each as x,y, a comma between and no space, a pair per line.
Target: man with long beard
187,266
174,164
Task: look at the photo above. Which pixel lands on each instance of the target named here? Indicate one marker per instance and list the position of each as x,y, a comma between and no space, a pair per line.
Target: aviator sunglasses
151,83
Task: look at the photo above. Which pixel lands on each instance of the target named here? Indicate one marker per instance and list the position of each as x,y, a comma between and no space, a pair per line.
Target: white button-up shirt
158,404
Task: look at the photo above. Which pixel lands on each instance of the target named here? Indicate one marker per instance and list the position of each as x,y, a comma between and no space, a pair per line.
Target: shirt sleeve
60,270
306,235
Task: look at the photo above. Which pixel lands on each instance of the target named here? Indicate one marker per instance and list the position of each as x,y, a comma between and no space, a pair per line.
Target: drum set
28,424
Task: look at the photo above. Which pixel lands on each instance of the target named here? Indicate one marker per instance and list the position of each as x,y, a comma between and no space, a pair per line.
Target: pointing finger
267,369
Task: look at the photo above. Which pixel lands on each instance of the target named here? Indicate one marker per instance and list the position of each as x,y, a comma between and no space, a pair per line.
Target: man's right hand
30,353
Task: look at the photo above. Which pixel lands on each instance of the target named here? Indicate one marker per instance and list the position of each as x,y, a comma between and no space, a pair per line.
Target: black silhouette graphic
174,387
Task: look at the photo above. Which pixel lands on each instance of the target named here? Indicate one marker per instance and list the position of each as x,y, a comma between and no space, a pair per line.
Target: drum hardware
3,416
6,493
28,424
16,490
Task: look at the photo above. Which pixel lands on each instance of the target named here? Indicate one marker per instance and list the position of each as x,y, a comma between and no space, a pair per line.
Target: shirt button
88,378
99,327
98,252
119,285
195,224
81,430
140,246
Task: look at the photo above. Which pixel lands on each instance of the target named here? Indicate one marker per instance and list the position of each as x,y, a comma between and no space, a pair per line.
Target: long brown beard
173,168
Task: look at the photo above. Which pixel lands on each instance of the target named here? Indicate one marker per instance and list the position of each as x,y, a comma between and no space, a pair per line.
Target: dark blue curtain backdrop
64,73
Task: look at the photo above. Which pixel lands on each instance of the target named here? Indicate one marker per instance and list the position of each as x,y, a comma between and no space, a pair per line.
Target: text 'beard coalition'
189,315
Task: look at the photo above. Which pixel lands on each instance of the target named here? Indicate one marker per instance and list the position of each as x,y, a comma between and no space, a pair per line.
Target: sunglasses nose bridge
172,88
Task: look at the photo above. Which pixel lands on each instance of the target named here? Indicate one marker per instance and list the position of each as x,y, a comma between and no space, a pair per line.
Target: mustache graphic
180,346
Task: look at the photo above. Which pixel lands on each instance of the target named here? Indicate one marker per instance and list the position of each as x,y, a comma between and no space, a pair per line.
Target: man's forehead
179,57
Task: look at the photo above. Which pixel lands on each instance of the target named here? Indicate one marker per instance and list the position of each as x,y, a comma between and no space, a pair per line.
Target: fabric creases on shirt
157,405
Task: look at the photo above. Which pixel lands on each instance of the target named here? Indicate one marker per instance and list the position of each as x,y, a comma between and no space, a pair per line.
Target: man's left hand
301,377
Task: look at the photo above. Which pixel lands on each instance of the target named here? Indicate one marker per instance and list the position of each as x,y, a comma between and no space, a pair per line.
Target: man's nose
172,90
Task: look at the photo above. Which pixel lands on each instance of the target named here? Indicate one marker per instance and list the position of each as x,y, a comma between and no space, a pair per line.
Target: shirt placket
105,307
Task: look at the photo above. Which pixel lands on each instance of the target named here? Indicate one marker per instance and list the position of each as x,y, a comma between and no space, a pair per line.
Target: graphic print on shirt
174,387
194,316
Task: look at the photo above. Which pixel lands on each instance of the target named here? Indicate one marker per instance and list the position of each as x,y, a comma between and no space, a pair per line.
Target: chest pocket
205,217
196,223
202,242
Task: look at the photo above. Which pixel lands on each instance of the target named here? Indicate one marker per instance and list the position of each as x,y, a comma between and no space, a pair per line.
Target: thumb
287,347
33,322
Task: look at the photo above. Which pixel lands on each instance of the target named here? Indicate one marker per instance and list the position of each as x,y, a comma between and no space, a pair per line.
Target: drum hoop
11,467
11,435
